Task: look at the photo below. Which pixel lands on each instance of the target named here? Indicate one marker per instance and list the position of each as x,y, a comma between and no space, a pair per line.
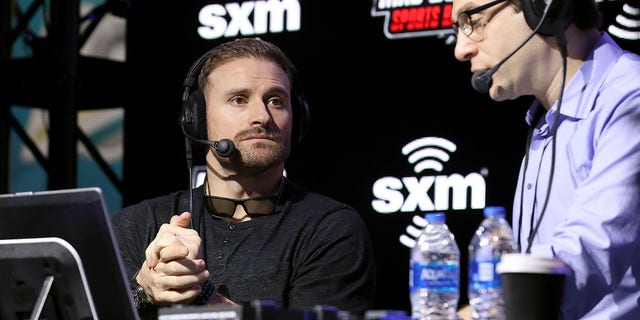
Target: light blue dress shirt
592,219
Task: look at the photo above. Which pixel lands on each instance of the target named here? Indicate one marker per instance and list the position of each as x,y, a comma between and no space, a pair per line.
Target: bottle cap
435,217
495,211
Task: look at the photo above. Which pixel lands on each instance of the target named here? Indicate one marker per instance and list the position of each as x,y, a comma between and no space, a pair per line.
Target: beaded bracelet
207,290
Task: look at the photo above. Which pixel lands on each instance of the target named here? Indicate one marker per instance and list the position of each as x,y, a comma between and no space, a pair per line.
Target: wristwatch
140,298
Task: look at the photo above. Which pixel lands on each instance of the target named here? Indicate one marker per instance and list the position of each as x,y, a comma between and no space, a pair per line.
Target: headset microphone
223,148
481,81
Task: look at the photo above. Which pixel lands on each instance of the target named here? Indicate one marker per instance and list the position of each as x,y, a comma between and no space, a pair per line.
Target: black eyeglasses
259,206
465,23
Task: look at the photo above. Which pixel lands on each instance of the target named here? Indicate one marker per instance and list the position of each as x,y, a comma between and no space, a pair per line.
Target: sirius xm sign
248,18
432,192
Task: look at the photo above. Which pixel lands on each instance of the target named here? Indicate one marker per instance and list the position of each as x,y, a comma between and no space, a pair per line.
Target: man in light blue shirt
578,192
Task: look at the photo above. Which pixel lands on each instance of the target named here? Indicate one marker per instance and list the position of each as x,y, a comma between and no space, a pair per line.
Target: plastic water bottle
491,240
434,274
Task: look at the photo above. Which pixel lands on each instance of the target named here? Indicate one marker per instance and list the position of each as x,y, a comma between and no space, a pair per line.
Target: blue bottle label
437,276
483,274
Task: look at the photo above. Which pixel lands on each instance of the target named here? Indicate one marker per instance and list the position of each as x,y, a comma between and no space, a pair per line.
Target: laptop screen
79,217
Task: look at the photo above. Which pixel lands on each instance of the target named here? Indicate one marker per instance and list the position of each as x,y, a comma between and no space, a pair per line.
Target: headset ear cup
301,119
186,117
530,14
560,12
194,115
200,115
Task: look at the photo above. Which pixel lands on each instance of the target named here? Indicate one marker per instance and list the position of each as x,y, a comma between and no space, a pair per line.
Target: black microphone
223,148
481,81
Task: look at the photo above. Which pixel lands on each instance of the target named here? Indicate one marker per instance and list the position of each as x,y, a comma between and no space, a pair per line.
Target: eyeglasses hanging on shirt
258,206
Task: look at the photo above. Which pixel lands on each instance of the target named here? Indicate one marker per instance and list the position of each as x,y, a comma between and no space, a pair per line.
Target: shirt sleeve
600,237
131,237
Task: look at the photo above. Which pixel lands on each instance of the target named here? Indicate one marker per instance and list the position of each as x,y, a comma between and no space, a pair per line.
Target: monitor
80,218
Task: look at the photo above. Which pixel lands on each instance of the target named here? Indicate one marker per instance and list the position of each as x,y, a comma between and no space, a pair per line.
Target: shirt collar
582,90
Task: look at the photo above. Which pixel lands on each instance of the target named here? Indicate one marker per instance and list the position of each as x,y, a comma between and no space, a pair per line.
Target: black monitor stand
43,278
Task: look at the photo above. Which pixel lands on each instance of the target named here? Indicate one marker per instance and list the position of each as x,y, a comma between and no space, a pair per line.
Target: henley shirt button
232,226
529,185
226,240
220,256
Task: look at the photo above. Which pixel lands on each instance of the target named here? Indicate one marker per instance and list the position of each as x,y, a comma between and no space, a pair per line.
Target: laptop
76,220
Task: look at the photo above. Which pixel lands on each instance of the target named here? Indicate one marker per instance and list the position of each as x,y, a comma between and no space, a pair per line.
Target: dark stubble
260,156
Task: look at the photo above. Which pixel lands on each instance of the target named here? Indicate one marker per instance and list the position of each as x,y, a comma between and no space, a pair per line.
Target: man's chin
496,93
263,157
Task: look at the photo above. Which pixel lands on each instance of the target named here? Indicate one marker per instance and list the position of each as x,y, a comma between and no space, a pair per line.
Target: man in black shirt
247,233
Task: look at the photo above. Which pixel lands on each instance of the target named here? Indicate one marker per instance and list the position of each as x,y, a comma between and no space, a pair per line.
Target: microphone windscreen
481,81
224,148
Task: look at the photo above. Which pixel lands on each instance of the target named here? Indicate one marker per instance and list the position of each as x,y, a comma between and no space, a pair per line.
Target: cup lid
526,263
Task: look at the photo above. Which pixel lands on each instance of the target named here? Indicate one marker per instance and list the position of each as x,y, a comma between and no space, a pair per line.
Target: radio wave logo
413,231
627,24
428,153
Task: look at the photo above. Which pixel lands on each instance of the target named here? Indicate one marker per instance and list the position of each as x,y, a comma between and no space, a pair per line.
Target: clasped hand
174,269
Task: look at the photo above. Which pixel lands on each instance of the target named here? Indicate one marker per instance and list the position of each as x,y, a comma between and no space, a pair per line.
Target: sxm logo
627,22
248,18
429,154
428,193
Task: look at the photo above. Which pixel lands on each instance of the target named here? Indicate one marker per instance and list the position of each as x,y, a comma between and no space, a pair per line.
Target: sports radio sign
415,18
420,18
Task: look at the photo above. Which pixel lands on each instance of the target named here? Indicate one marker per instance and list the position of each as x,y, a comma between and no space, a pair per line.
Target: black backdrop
369,96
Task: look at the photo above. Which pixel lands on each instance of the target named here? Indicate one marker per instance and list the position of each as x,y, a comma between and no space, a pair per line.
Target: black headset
193,115
560,11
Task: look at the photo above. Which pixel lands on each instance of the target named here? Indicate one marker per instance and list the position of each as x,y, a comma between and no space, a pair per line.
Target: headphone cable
562,45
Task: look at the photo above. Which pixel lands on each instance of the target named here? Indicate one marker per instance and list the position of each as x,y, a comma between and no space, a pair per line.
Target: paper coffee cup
532,286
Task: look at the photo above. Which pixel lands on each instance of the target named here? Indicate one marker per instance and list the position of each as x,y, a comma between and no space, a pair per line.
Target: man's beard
260,157
255,158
